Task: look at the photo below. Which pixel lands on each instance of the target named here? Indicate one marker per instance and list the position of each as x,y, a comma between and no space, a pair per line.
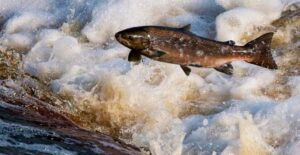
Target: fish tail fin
262,47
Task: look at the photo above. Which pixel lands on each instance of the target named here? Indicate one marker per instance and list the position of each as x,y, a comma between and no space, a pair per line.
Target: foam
294,82
234,23
244,17
110,17
19,41
8,8
272,8
29,21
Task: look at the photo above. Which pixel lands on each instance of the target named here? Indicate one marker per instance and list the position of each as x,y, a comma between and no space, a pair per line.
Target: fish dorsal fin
225,68
186,70
134,56
186,27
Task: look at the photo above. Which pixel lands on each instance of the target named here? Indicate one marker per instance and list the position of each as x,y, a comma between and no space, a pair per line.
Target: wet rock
33,119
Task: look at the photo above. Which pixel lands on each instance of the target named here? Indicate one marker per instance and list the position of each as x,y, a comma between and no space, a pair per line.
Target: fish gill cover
69,45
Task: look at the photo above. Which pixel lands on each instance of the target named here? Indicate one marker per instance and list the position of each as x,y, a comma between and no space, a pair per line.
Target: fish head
134,38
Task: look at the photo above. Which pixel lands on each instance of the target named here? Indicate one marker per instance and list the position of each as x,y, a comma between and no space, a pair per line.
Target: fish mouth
118,36
121,39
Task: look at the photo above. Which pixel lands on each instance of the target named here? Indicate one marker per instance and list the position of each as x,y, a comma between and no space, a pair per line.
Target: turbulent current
68,48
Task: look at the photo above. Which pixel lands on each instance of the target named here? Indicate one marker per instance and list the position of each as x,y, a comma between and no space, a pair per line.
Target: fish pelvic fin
186,70
262,47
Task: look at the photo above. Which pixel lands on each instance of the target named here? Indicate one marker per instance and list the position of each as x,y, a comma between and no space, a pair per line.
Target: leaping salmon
180,46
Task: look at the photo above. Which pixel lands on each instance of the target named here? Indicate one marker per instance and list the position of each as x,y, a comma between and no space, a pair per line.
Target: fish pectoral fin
225,68
186,69
159,53
230,42
186,27
134,56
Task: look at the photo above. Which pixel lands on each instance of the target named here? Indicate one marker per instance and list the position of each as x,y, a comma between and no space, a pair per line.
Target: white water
154,105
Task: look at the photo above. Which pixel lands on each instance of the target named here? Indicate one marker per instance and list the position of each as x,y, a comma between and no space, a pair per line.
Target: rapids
68,46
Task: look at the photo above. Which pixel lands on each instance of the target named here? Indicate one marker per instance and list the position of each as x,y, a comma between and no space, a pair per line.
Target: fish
181,46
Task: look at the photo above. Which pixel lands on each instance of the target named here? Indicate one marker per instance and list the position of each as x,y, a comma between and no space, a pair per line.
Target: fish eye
131,37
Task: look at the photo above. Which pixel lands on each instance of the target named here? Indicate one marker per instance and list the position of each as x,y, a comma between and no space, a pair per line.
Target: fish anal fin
225,68
186,69
195,65
262,49
186,27
230,42
134,56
